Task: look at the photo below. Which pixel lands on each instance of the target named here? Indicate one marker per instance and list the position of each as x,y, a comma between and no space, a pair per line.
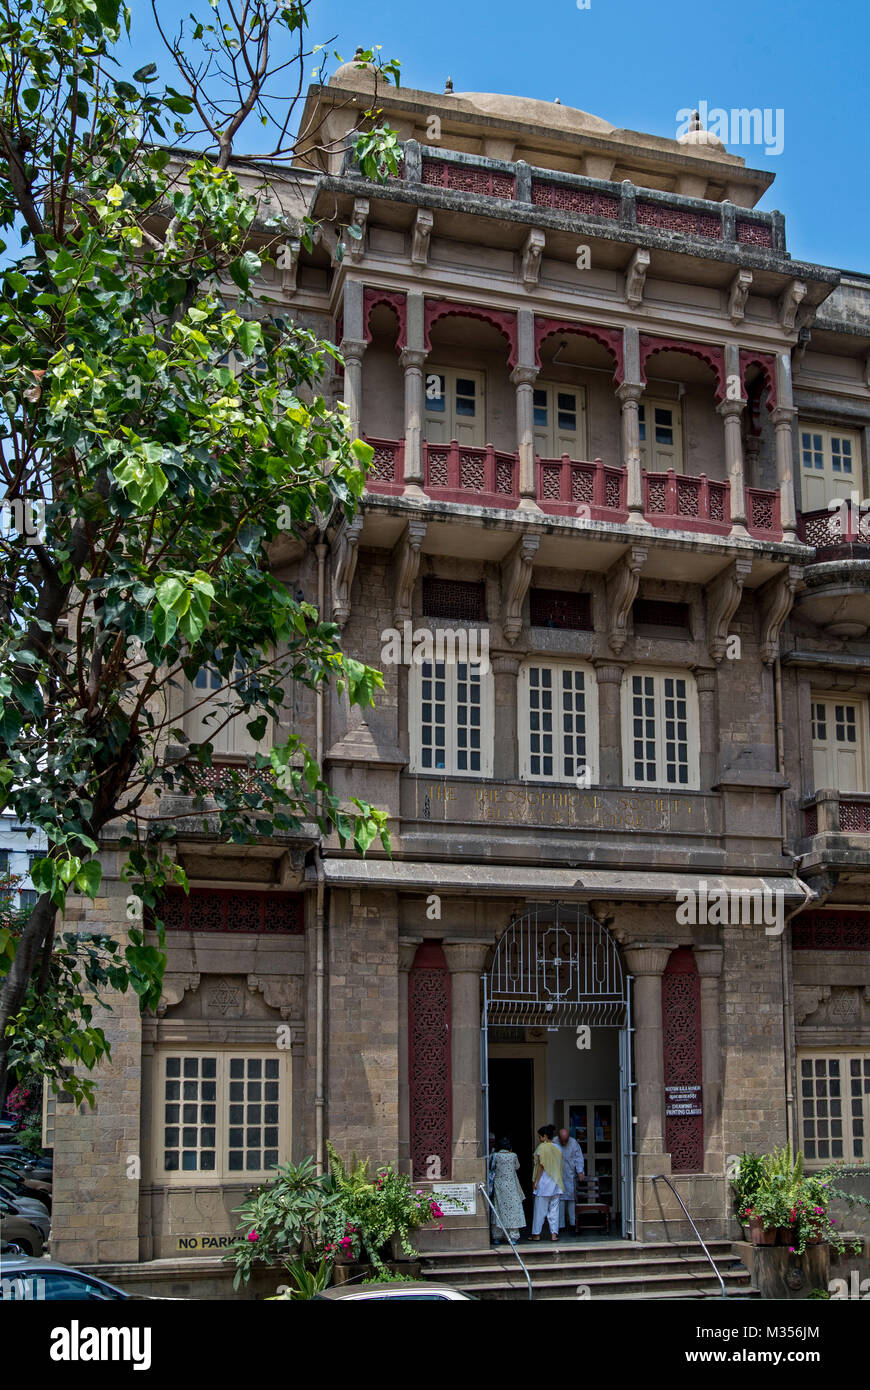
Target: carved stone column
465,958
352,350
731,412
407,951
609,676
646,961
782,417
505,670
708,959
413,361
705,682
523,378
628,394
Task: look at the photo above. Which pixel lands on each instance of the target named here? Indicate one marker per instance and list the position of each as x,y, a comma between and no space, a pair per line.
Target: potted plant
744,1185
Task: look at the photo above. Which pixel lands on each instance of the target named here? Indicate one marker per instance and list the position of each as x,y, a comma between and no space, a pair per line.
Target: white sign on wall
456,1198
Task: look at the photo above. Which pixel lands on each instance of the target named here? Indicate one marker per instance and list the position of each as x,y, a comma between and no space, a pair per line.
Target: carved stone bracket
723,597
174,989
278,991
516,574
635,277
738,295
288,264
291,869
622,583
532,253
777,597
790,301
345,555
420,237
356,246
406,567
807,999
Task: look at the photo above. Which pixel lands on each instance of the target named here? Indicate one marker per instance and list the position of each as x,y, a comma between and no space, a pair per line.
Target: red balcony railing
826,530
456,473
763,518
684,503
594,491
388,466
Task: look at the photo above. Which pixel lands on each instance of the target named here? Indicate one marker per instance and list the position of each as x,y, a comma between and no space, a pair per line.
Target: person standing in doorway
549,1184
573,1167
506,1193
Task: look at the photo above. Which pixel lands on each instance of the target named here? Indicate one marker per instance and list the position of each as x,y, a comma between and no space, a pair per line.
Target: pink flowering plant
376,1209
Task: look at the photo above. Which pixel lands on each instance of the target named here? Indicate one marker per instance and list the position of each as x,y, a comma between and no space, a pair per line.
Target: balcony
835,596
623,205
589,490
837,826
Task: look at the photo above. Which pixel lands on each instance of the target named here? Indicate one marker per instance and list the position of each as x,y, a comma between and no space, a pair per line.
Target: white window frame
452,675
825,749
469,431
658,458
231,741
846,1056
552,449
223,1056
527,686
823,451
693,768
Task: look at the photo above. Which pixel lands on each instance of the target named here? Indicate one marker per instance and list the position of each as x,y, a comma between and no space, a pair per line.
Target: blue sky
637,64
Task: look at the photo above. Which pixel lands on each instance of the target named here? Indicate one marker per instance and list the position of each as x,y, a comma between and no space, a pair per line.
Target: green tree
144,478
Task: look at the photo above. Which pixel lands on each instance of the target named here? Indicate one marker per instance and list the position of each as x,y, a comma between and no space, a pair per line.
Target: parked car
17,1230
21,1188
25,1203
32,1212
30,1279
420,1291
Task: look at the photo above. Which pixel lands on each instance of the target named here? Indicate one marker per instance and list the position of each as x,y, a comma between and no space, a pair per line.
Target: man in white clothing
573,1167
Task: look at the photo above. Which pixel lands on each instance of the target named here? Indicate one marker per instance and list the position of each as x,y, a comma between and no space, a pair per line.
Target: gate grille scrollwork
556,966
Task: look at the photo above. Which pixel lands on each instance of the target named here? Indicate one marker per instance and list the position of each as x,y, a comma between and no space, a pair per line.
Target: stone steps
608,1270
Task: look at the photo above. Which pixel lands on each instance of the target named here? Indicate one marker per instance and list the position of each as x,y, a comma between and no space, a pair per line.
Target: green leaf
89,877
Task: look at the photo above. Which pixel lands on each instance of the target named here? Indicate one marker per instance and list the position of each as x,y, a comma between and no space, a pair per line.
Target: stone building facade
631,844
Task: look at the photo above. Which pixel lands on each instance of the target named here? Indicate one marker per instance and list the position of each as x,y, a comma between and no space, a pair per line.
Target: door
454,407
829,467
839,743
560,424
661,436
512,1112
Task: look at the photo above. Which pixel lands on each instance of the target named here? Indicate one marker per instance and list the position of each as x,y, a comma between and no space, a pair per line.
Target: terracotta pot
758,1235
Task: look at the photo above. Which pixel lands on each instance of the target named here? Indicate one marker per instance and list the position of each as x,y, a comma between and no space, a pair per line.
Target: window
560,608
656,618
27,897
661,436
660,730
839,743
205,720
4,861
557,723
224,1115
451,718
454,407
830,466
454,598
49,1104
560,421
835,1105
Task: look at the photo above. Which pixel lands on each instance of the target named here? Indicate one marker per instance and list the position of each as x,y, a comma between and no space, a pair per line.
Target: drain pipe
320,892
785,936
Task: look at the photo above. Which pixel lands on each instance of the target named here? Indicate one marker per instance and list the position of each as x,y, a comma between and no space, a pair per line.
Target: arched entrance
557,982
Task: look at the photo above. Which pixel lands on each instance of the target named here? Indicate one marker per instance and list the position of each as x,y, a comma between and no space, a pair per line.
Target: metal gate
556,967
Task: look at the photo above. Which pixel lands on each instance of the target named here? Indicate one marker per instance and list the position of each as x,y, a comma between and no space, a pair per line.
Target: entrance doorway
556,1048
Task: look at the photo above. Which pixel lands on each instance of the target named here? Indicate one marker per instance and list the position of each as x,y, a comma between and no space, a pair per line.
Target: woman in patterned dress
507,1195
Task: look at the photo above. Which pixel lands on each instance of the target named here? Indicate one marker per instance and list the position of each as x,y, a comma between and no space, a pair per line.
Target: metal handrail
661,1177
485,1196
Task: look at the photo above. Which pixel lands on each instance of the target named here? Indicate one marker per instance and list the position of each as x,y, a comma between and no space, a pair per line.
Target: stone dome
533,111
697,135
354,74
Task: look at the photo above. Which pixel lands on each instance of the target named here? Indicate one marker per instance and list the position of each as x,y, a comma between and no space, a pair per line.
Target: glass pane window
221,1114
835,1106
664,421
660,743
436,394
556,720
542,414
812,453
466,396
841,455
450,717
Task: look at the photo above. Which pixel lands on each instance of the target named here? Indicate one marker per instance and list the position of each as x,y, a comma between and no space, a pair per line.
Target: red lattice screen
228,910
681,1020
429,1072
831,931
560,608
454,598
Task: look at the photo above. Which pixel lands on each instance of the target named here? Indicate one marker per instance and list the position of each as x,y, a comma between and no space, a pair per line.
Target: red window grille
684,220
754,233
429,1069
228,910
454,598
587,201
681,1022
831,931
560,608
